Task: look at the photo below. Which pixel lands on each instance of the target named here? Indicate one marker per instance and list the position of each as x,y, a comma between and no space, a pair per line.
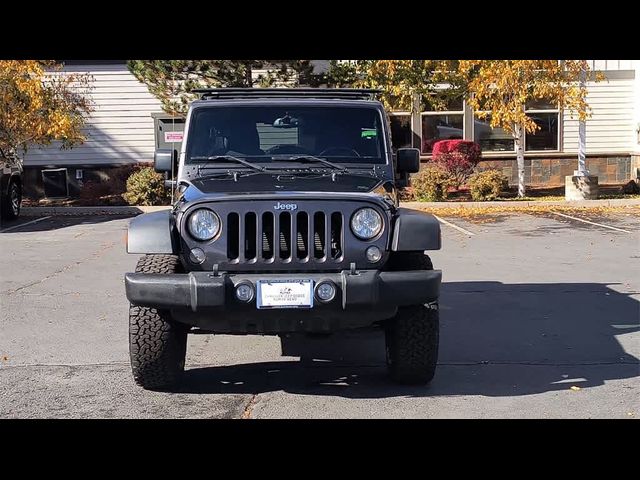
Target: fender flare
152,233
415,231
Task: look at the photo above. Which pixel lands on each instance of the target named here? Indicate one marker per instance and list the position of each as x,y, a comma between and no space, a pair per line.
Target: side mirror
408,160
163,160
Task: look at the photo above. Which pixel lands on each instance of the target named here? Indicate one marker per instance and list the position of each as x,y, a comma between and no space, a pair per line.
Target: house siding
119,130
611,128
636,123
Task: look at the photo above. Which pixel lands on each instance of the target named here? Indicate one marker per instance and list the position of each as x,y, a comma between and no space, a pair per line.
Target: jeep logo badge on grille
285,206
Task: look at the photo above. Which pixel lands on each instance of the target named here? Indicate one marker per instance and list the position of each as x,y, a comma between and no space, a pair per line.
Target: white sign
172,137
285,294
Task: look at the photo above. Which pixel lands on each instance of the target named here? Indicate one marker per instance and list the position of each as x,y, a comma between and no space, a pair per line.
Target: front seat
243,138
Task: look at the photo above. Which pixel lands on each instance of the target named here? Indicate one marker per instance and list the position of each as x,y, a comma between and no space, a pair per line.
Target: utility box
168,131
56,183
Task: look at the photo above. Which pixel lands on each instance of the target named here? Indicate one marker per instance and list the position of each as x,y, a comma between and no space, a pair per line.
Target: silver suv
10,187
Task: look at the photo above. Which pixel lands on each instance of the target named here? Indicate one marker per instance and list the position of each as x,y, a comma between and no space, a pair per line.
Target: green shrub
146,187
487,185
118,176
432,183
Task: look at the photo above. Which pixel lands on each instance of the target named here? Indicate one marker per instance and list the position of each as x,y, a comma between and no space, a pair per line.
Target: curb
505,205
79,211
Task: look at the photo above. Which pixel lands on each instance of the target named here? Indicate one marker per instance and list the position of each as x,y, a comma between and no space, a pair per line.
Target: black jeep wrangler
10,187
286,220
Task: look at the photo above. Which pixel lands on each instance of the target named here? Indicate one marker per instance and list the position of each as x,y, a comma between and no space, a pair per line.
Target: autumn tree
172,81
402,81
405,81
39,104
346,74
500,90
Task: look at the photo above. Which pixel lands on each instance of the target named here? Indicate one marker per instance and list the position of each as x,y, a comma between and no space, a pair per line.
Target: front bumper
207,301
201,290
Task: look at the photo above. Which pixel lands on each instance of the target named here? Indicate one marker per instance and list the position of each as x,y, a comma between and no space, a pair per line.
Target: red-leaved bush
458,157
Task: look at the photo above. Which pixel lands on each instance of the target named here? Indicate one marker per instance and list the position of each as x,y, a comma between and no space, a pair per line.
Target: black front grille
284,236
260,236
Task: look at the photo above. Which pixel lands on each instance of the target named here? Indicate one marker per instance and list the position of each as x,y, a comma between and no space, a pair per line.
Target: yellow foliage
500,89
38,105
400,80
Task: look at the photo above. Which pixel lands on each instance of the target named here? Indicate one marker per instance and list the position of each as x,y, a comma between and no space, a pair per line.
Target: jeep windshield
286,133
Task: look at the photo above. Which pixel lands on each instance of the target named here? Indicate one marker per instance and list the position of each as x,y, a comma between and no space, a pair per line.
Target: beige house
613,132
121,129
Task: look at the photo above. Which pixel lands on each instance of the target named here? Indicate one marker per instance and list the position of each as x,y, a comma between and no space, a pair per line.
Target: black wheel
412,344
11,203
157,345
412,336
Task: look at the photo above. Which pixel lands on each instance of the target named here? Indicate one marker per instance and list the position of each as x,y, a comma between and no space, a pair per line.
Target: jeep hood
274,183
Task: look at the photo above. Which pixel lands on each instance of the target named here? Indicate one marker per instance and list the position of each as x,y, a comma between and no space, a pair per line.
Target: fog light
374,254
197,255
244,292
325,291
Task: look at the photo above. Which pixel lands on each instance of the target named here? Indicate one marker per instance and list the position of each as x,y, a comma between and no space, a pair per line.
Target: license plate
285,294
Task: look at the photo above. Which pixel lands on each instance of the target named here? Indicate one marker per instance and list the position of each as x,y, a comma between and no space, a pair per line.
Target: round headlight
366,223
204,224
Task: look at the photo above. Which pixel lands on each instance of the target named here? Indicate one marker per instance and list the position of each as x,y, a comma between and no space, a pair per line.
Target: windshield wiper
311,158
227,158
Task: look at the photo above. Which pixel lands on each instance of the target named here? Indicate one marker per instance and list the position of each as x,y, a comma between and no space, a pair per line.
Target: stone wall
551,172
635,167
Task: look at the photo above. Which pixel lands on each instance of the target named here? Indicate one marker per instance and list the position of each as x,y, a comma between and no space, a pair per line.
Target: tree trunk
582,136
518,137
248,77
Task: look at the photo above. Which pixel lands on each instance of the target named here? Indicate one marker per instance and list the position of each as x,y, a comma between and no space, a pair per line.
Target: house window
448,121
400,130
498,140
546,138
492,139
547,117
444,123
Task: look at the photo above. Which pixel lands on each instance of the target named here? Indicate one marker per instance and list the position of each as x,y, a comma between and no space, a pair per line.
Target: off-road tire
157,345
412,336
10,210
412,344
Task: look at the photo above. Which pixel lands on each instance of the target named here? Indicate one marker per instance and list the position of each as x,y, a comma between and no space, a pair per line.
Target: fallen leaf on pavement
574,388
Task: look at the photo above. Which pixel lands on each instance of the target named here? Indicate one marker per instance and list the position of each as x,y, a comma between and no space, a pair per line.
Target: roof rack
345,93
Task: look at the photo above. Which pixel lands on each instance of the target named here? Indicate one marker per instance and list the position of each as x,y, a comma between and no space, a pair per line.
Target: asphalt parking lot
539,319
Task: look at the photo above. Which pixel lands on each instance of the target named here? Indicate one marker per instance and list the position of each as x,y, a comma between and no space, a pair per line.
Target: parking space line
25,224
460,229
591,223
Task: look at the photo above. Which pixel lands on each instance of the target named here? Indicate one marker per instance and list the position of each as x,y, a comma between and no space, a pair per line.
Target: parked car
287,221
10,187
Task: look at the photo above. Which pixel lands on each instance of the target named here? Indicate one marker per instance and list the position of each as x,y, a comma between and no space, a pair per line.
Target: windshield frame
283,160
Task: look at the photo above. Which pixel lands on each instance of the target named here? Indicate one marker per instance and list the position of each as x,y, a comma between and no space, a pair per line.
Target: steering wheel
287,149
351,152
